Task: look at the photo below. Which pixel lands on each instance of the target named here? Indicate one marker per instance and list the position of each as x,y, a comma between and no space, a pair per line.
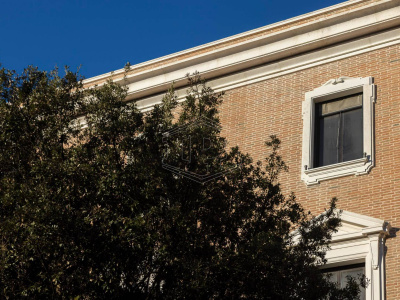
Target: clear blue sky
102,36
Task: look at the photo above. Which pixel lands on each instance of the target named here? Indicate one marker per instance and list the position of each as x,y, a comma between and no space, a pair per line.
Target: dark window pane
338,133
328,140
352,134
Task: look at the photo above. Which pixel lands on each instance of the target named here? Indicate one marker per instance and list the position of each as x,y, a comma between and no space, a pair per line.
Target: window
339,275
338,129
359,247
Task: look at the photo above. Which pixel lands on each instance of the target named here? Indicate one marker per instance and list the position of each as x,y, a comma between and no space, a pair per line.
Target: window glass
327,145
339,276
339,131
341,104
353,273
352,137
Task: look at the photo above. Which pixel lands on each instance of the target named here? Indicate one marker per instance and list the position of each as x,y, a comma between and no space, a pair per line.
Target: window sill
359,166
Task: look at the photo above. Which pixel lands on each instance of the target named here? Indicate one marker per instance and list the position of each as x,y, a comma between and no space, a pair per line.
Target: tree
89,212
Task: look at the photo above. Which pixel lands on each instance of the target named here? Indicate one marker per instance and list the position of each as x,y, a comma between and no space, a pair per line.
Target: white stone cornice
290,65
266,49
273,26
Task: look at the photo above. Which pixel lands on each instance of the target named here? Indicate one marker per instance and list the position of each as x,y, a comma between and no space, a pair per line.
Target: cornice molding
276,25
280,46
287,66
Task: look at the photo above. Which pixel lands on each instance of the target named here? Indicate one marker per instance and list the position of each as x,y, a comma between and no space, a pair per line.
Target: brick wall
251,113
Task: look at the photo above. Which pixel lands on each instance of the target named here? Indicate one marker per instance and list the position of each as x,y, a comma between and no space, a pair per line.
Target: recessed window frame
340,273
333,89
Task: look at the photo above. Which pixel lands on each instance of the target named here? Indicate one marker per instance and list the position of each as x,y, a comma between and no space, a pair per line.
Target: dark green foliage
89,213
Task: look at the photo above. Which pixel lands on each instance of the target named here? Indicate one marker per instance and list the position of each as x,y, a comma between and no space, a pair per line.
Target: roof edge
120,72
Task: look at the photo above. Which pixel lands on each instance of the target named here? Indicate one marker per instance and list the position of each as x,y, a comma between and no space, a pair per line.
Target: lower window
340,275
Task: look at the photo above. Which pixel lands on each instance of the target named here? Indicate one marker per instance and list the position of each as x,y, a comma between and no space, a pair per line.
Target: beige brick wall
251,113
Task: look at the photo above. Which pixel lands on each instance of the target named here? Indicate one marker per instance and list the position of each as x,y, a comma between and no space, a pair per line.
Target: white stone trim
332,89
366,245
282,45
231,38
284,67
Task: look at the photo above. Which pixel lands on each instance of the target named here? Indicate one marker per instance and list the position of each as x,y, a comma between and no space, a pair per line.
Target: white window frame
336,88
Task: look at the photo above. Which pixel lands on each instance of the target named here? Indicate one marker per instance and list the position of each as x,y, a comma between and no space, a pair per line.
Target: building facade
327,83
